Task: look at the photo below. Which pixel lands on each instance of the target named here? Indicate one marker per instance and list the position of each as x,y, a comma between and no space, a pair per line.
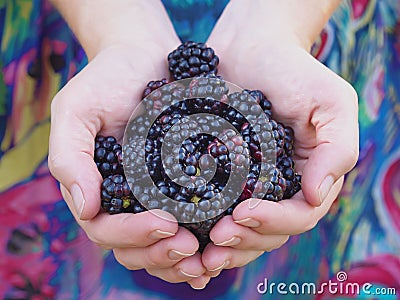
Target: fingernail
175,255
159,234
220,267
231,242
199,287
325,187
215,274
254,202
188,275
77,199
249,222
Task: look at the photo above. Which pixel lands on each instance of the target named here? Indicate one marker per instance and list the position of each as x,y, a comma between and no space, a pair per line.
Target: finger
226,233
336,152
163,254
127,230
217,258
185,270
215,271
199,283
287,217
71,148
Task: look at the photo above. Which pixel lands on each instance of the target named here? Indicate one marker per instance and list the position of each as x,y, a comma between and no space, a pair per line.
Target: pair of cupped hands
320,106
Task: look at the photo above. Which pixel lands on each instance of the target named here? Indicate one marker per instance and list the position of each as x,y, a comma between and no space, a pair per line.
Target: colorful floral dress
45,255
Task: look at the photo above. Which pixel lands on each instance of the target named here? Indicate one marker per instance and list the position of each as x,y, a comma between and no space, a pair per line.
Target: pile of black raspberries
225,147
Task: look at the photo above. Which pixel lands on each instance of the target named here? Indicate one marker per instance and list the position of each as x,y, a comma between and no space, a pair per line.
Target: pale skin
127,42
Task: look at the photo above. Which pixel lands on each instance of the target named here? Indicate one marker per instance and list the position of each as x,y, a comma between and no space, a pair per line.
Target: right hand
320,106
100,100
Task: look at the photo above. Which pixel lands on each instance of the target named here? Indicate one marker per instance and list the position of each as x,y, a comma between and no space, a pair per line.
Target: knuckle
95,234
348,91
120,257
95,239
351,97
127,235
168,275
151,261
117,256
353,157
352,93
55,163
347,96
280,242
351,154
57,102
311,225
246,260
105,247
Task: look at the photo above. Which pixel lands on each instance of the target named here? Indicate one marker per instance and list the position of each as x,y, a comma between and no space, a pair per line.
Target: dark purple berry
191,59
116,196
152,86
108,156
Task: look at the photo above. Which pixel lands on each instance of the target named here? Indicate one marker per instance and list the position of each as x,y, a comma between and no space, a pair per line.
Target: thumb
336,153
70,160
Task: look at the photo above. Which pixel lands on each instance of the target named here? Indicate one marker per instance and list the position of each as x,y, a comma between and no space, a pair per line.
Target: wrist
141,24
102,24
288,21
